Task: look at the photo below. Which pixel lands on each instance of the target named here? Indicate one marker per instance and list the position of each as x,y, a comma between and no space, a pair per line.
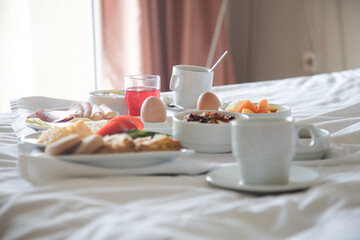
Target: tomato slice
121,124
130,121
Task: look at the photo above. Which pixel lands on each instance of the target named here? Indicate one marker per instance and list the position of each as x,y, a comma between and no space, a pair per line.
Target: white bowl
318,150
202,137
282,112
114,101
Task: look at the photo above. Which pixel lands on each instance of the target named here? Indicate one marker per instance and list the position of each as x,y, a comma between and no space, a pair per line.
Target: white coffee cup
264,149
188,82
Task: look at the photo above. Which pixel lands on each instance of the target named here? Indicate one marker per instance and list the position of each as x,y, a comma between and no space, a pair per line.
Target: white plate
126,160
32,138
34,122
230,177
114,160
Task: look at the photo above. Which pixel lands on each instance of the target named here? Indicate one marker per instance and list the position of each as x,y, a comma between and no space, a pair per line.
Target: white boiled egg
153,110
208,101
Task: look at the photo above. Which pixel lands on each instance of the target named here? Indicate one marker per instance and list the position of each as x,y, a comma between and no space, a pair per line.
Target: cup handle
310,130
175,82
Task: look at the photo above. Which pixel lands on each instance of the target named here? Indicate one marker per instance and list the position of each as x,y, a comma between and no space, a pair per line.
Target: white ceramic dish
230,178
322,144
31,139
202,137
126,160
114,99
283,112
34,122
165,128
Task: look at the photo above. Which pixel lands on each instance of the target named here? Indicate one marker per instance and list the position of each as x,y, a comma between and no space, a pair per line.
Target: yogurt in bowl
114,99
203,136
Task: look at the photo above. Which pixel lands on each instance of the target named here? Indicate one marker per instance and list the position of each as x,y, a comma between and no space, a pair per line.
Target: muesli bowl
282,112
203,137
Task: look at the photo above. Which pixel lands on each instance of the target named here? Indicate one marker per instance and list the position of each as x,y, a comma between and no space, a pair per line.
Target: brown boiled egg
208,101
153,110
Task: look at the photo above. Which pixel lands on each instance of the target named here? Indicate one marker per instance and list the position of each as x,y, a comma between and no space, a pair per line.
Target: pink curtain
172,32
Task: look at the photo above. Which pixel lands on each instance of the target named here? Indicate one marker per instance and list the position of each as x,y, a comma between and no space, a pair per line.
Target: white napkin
22,107
42,170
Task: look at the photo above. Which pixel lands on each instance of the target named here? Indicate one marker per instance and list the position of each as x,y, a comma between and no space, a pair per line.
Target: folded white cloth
41,170
23,107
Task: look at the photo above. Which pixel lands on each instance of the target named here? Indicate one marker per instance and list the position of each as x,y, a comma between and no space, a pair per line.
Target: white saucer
309,155
230,177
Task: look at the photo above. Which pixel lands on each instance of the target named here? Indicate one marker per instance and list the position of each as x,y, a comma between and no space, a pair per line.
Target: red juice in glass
138,88
135,96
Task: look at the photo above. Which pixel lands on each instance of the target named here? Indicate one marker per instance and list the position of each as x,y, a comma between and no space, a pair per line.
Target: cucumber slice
136,133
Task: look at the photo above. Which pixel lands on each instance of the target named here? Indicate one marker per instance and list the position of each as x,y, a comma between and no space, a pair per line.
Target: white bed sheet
186,207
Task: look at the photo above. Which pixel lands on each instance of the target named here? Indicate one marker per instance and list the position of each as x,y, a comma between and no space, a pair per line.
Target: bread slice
64,145
90,144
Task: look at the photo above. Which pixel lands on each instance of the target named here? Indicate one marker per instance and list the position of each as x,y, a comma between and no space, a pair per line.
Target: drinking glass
138,88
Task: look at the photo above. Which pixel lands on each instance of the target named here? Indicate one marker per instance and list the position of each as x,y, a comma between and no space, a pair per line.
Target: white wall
46,48
269,38
350,12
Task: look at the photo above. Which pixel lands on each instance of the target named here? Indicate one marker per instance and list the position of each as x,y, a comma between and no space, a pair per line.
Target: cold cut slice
55,115
77,108
87,109
108,112
96,113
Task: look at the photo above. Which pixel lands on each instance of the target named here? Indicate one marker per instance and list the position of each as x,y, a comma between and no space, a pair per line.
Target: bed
53,201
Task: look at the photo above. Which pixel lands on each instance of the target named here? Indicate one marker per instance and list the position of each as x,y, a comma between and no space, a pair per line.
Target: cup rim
183,67
142,76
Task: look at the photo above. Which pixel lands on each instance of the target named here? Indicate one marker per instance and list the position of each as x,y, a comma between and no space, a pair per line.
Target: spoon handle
222,56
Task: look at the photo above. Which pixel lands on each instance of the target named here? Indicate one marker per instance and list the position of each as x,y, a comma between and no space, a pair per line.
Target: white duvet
186,206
